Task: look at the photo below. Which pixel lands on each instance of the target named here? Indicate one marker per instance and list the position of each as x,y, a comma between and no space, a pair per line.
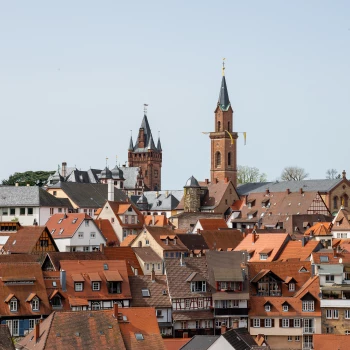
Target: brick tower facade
223,139
147,156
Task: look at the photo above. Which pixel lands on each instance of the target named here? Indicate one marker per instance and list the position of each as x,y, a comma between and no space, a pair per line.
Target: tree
247,174
29,177
293,173
332,174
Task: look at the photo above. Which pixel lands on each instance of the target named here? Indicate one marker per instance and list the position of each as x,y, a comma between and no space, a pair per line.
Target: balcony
231,312
308,346
308,330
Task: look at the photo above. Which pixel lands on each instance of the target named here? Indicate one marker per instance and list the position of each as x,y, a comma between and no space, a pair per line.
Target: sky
74,76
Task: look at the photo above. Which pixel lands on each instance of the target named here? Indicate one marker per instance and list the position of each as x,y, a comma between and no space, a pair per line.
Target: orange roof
319,229
333,257
223,239
175,343
141,320
119,208
107,231
65,225
274,241
295,250
128,240
236,206
331,341
159,220
212,224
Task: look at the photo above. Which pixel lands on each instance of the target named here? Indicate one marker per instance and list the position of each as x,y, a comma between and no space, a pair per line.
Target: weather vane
145,108
223,66
106,161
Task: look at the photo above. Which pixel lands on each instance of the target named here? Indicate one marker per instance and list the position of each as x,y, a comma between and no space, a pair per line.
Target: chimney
206,181
216,180
153,220
63,280
288,191
253,237
344,174
185,335
110,190
303,241
37,332
301,191
102,248
226,180
16,184
153,275
223,329
64,169
115,310
235,324
244,234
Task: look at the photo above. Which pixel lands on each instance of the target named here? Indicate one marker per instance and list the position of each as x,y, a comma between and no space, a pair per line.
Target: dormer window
263,256
96,286
285,307
308,305
13,305
267,307
35,304
166,241
174,241
198,286
291,287
78,286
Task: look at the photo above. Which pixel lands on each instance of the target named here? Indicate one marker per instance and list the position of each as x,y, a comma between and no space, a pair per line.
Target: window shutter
273,323
251,322
291,323
262,322
280,323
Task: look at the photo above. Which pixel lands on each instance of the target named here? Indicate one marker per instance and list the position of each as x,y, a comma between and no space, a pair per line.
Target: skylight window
54,284
61,231
139,336
74,220
53,231
323,258
145,292
105,266
60,220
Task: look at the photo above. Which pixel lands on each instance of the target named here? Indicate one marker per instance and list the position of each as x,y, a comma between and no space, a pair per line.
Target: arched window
229,158
219,126
229,126
344,199
217,159
335,202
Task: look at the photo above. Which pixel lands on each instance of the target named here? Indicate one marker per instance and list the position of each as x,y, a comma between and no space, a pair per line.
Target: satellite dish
340,260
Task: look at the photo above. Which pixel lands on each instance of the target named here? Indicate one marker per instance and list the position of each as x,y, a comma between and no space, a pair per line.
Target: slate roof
77,330
222,239
87,195
157,298
163,200
6,342
177,276
148,138
240,339
200,342
224,101
29,196
323,186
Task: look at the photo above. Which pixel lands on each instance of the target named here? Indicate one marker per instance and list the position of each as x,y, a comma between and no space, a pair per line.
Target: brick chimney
344,174
226,180
115,310
253,237
288,191
37,332
223,329
64,169
153,275
206,181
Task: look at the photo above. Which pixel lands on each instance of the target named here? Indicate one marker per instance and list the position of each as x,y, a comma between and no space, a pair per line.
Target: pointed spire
224,101
151,143
131,144
159,146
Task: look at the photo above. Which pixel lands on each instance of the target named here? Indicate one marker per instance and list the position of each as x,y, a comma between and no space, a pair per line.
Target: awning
78,277
9,297
113,276
230,296
95,277
31,297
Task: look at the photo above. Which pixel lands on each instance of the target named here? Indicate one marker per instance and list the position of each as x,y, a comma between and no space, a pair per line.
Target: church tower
146,155
223,139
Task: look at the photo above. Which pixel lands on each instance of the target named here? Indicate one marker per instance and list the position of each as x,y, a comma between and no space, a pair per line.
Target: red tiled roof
159,220
106,228
212,224
128,240
319,229
222,239
333,258
175,343
331,341
295,250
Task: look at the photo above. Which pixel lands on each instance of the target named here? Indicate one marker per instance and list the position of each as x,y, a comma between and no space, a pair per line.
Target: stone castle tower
223,140
192,195
147,156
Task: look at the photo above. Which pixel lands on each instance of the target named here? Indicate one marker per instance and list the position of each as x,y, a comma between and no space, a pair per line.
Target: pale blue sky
74,76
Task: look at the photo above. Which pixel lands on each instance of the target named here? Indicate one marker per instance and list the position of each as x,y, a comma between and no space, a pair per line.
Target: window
126,219
200,303
86,249
15,328
56,302
80,234
267,308
92,235
4,211
329,278
263,256
114,287
256,322
147,267
297,338
347,314
95,286
335,314
78,286
12,211
95,305
187,303
308,305
297,323
323,258
158,266
229,158
159,313
217,159
44,243
291,287
184,325
51,211
219,126
285,322
335,202
268,322
285,308
87,222
145,292
22,211
198,286
13,305
155,173
30,211
329,330
332,314
31,324
35,304
147,242
290,338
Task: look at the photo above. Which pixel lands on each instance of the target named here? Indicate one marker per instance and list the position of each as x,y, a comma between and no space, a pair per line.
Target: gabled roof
119,208
107,230
319,229
240,339
331,257
296,250
216,192
193,241
163,200
147,254
78,330
330,341
160,233
212,224
141,320
25,240
29,196
224,101
128,240
158,291
342,220
222,239
156,220
200,342
263,241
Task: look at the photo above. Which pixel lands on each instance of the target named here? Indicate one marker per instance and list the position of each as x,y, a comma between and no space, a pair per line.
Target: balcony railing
231,312
308,345
308,330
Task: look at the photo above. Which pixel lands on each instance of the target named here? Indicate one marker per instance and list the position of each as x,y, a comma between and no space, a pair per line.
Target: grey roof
200,342
87,195
106,174
130,175
224,101
131,144
162,200
240,339
148,139
54,178
159,146
29,196
323,185
6,342
192,182
81,176
151,144
117,173
332,269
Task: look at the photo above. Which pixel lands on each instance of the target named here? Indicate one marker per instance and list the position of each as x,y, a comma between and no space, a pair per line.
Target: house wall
145,235
158,266
107,213
342,188
338,326
279,342
61,194
220,344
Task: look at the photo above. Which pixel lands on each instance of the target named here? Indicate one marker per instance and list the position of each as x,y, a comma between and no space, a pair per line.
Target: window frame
77,284
94,284
256,322
13,305
35,303
285,322
268,323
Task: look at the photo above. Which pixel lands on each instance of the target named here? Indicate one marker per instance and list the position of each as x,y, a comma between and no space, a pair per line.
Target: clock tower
223,139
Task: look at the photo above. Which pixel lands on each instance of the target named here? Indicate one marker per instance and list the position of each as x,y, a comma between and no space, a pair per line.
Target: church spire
159,146
131,144
224,101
